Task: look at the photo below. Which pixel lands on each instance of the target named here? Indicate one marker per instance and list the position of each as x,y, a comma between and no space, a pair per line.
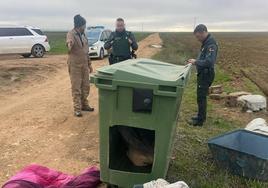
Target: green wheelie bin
139,102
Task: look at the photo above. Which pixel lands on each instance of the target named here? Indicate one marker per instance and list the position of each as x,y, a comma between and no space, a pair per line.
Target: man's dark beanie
79,21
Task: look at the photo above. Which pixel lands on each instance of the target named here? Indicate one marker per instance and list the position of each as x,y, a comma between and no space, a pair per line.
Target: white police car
97,36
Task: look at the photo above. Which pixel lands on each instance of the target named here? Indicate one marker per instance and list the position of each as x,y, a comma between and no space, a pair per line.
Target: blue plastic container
243,153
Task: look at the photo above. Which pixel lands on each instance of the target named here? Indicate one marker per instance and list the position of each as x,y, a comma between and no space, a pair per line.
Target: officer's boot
87,108
197,123
194,118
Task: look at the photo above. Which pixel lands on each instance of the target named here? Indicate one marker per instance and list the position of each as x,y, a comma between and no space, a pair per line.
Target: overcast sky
153,15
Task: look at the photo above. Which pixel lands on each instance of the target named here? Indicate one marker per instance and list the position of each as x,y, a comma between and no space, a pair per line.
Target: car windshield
93,36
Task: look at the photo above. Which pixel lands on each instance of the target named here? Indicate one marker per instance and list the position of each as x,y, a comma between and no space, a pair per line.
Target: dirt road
36,115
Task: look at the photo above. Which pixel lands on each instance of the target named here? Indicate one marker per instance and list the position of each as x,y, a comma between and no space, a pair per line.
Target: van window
38,31
10,32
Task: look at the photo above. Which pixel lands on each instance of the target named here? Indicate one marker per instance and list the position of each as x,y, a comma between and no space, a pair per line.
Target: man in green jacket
120,43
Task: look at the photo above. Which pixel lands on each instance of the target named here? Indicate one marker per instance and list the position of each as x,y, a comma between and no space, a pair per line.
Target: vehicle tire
38,51
26,55
101,56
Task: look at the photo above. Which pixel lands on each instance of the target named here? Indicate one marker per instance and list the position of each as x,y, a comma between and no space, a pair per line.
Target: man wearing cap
205,64
79,65
121,42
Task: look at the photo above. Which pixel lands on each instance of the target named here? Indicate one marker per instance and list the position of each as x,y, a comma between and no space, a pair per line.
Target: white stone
258,125
253,102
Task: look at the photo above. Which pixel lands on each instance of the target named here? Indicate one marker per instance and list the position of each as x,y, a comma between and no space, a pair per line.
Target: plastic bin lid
146,71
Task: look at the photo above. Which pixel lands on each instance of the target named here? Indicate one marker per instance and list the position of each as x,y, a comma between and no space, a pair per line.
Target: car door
5,41
23,40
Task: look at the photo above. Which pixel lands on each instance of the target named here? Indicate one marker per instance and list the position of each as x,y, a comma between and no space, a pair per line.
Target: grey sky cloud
167,15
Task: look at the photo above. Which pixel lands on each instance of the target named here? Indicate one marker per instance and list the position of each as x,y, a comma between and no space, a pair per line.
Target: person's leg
195,118
202,92
204,81
202,104
111,59
76,81
85,88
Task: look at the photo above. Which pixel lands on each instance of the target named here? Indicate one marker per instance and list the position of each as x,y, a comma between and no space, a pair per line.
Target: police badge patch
211,49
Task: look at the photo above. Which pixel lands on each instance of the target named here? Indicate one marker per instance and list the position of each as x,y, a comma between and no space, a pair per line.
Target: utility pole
142,27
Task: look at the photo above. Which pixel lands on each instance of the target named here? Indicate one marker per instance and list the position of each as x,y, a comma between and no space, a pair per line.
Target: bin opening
131,149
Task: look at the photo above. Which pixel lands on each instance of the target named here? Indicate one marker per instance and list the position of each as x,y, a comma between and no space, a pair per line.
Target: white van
25,41
97,36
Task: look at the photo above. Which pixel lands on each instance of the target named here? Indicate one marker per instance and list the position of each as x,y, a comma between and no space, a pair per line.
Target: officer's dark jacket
208,54
120,44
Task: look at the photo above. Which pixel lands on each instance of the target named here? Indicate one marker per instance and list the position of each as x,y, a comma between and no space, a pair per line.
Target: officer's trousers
79,75
205,78
116,59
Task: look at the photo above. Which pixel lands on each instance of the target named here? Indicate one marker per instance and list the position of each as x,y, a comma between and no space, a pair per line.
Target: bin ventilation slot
131,149
105,82
168,88
142,100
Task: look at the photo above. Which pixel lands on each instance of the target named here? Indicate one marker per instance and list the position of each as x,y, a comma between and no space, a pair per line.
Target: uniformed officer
120,42
205,71
79,65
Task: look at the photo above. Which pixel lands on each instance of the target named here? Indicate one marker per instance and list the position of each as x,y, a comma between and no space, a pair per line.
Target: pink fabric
39,176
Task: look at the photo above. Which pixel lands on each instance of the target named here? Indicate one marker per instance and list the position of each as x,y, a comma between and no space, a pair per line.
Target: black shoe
196,123
194,118
88,109
78,114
